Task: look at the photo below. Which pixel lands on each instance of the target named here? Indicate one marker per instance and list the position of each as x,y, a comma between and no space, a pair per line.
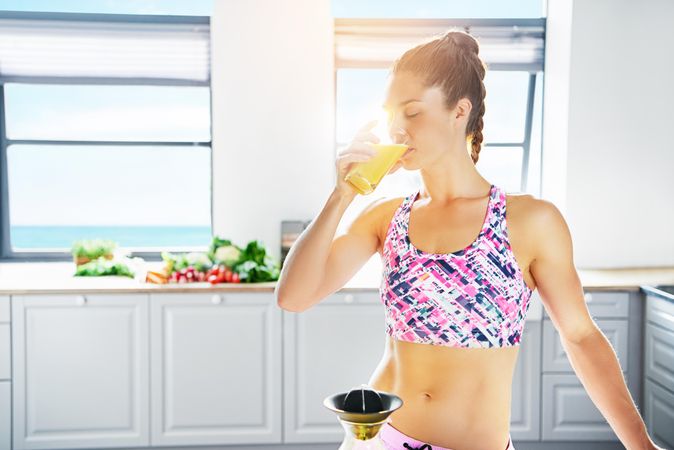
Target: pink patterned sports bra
474,298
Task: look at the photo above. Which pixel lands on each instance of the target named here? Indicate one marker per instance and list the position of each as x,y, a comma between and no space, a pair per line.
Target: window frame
466,24
7,254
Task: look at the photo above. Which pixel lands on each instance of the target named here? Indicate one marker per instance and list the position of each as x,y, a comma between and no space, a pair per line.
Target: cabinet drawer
554,356
5,346
660,311
659,413
606,304
568,412
659,355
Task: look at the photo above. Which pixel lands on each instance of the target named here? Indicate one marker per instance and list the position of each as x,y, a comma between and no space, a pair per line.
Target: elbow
287,304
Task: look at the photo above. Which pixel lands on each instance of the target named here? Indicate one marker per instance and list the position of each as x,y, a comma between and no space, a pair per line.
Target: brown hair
452,62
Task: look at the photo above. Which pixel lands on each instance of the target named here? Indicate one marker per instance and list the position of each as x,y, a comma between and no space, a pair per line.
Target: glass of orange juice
366,175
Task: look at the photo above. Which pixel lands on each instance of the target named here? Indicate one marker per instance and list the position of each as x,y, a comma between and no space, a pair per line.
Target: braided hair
452,62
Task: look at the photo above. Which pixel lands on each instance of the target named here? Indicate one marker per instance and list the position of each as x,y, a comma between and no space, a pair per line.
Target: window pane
115,113
438,9
169,7
502,166
139,196
360,94
505,106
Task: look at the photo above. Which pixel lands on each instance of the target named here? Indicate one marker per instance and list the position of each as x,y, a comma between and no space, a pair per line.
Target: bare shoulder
537,219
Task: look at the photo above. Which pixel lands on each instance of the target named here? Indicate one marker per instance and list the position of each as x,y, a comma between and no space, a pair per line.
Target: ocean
60,237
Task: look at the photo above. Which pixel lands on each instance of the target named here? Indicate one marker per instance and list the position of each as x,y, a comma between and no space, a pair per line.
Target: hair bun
463,40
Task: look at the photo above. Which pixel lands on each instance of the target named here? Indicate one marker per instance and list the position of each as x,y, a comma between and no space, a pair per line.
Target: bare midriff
458,398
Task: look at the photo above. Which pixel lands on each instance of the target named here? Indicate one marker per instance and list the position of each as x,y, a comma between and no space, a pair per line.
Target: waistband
395,439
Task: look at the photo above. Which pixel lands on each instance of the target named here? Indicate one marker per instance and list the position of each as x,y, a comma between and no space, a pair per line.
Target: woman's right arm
318,264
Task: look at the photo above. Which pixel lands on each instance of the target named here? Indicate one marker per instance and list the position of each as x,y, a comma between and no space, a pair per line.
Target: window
438,9
145,7
113,143
513,50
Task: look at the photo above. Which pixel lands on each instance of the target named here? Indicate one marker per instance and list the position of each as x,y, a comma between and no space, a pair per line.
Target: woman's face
421,112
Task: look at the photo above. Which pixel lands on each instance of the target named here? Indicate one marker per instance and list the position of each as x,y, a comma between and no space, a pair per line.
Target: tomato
228,276
213,279
221,277
236,278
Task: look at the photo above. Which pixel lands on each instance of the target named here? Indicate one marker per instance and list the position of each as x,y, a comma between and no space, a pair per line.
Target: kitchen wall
273,131
608,156
620,162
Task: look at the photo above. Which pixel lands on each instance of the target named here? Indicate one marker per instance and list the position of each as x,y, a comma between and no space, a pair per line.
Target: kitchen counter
657,291
56,277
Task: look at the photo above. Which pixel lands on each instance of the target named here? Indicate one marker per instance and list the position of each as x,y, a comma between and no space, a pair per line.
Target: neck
451,177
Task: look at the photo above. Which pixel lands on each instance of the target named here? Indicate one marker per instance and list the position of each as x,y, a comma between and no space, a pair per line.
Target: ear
462,109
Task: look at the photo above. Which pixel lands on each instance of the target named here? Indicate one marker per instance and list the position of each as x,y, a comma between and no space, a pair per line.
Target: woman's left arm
589,351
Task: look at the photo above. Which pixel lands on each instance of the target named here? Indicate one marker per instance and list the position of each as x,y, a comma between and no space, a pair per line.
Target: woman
455,304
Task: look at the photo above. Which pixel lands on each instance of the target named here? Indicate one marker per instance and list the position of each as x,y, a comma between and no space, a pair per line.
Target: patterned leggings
397,440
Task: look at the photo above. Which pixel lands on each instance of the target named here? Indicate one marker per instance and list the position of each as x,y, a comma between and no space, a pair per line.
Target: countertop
56,277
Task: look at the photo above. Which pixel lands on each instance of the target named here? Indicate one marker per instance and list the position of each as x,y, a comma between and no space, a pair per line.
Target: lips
409,150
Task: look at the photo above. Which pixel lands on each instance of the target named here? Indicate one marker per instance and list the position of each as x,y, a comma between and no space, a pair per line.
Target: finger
352,157
361,147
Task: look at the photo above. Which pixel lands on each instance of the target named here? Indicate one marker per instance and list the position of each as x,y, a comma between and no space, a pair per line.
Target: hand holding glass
366,175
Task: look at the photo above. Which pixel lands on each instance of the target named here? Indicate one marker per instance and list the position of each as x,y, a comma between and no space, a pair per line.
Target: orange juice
366,175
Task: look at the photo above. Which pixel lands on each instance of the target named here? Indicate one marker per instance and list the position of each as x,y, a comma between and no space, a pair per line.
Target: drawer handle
81,300
216,299
348,298
588,297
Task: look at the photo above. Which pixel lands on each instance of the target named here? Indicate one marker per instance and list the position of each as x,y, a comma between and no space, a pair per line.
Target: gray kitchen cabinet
525,419
659,370
5,375
332,347
659,413
80,366
216,369
568,412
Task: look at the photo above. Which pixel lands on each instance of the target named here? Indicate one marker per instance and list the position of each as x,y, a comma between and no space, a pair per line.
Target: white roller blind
58,47
377,43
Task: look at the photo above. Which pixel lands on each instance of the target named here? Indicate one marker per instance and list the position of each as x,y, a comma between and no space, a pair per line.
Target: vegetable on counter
255,265
86,250
102,266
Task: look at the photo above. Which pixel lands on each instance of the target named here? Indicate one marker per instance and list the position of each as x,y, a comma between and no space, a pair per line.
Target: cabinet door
659,355
216,369
525,420
554,355
330,348
659,414
5,415
80,371
568,412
